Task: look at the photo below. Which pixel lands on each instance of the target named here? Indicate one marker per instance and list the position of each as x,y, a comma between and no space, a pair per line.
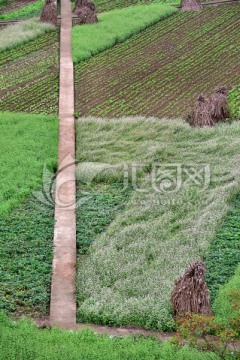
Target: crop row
26,11
23,50
14,5
30,83
107,5
162,70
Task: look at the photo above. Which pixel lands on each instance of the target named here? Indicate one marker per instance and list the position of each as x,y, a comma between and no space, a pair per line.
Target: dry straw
209,111
191,294
49,13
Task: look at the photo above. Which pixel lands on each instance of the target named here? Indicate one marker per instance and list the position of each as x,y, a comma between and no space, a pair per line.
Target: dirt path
63,301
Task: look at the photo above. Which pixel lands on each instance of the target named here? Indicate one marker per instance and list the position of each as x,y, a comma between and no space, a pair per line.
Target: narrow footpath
63,299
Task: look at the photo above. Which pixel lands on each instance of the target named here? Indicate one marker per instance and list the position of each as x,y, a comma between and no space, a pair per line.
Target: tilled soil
29,77
161,71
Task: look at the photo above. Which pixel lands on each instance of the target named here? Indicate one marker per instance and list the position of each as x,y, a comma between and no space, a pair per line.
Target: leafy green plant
26,259
207,334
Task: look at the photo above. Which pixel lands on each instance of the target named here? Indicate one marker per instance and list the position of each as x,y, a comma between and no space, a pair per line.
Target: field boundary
63,299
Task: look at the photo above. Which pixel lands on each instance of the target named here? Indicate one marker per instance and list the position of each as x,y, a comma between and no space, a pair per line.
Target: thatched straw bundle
49,12
85,16
220,105
80,3
210,111
191,5
191,294
201,114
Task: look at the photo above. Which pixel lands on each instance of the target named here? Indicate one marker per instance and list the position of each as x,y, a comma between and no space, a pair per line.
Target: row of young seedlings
132,91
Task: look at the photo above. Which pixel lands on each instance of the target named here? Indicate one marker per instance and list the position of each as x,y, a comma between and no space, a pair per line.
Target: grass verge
115,27
128,273
22,340
19,34
27,142
28,11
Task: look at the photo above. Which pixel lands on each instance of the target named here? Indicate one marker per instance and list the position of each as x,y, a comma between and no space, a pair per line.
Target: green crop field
26,226
29,76
115,27
161,71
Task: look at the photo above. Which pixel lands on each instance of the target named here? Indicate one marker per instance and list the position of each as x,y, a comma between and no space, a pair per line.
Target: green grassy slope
27,142
128,273
161,71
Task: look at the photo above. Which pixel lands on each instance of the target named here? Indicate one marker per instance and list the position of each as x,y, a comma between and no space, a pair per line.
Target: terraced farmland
29,77
161,71
14,5
108,5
